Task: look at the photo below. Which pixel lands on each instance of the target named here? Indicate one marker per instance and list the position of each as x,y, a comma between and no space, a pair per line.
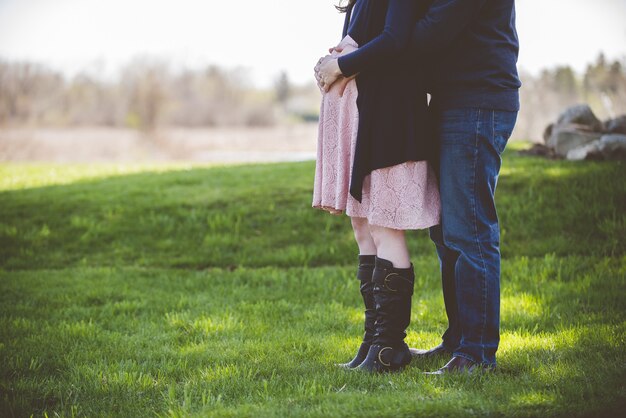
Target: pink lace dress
404,196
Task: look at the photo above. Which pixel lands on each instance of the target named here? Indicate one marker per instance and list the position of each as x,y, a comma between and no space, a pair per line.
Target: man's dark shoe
461,365
435,352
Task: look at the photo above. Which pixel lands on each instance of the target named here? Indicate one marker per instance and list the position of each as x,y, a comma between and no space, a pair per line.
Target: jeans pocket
503,125
458,126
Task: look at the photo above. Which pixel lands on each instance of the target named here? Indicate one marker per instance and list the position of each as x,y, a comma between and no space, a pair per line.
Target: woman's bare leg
390,244
363,237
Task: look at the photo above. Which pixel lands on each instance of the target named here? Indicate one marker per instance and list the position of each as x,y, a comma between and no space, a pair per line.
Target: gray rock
616,126
569,137
613,147
580,115
547,133
586,152
609,147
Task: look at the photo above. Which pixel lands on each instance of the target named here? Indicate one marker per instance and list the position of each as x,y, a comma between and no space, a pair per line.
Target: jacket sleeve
394,39
443,22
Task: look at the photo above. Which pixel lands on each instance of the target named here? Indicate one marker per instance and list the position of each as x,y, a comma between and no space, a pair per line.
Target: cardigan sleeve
443,22
399,23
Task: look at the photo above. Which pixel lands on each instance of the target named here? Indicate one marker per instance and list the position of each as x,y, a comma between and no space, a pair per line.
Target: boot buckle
387,281
380,359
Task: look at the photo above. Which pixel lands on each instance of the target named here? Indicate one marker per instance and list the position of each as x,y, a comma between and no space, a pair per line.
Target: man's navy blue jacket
472,47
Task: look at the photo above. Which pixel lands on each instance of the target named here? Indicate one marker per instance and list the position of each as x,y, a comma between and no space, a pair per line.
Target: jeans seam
465,356
493,131
475,219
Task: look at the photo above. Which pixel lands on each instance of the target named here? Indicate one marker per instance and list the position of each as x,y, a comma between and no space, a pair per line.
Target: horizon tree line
148,95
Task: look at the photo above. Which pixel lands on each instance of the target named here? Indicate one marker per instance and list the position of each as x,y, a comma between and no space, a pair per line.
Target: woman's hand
328,72
325,85
343,82
344,50
316,69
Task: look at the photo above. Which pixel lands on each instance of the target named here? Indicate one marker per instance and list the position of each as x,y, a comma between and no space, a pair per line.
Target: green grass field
217,291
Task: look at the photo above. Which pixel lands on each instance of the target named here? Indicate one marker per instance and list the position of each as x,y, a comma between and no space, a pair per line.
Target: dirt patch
285,143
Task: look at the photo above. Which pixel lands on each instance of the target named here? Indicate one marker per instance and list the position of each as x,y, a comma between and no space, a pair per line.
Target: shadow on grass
260,215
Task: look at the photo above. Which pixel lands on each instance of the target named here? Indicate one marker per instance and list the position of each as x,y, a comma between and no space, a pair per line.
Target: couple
394,162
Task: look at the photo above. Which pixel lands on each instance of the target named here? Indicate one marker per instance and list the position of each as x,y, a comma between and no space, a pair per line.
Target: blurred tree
605,86
88,101
282,87
21,86
147,94
146,82
565,84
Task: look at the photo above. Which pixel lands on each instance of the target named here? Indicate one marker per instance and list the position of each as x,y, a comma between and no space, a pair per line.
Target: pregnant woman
372,164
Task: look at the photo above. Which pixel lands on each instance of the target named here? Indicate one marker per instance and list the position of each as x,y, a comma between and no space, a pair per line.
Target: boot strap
364,273
394,283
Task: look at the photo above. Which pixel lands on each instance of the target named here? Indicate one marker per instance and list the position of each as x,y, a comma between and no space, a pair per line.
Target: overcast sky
265,37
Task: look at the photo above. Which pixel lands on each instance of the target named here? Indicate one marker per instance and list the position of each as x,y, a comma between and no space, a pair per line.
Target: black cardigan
392,102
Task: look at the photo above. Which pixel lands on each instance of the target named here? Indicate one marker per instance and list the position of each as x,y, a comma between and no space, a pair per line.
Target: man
472,46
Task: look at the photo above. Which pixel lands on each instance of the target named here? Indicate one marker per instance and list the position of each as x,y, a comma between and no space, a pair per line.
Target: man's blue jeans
468,239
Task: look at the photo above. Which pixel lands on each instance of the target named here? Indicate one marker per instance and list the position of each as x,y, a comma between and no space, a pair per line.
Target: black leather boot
364,274
393,289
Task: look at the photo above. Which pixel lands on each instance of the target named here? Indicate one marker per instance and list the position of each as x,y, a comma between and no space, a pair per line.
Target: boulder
580,115
609,147
547,133
579,135
616,126
613,147
569,137
586,152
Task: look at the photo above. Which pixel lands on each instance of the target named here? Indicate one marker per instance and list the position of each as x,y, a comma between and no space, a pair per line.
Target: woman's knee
381,234
360,226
